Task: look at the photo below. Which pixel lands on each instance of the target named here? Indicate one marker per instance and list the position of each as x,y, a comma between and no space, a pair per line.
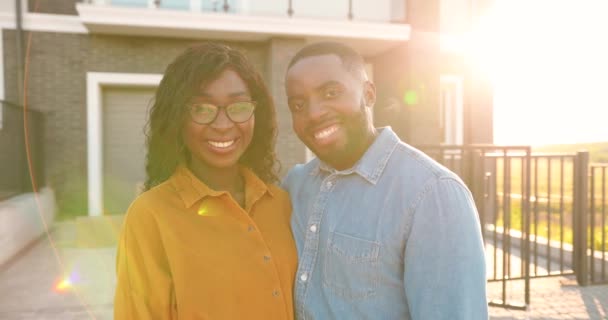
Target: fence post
581,189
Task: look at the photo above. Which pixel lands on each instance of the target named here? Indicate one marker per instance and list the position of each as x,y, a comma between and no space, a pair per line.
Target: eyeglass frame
219,108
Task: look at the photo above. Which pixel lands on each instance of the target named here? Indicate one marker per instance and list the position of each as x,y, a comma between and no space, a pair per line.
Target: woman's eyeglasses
206,113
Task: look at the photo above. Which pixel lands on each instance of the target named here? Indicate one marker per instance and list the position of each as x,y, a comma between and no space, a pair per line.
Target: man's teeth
224,144
326,132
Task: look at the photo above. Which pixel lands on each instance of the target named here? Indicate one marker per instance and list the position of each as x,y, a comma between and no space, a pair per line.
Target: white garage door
124,117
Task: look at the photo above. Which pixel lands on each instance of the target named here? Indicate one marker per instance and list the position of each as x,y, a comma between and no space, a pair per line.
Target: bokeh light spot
410,98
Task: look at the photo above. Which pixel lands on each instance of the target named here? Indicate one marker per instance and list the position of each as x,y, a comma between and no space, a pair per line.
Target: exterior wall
479,110
478,101
289,147
390,78
412,70
57,65
415,68
52,6
7,7
23,219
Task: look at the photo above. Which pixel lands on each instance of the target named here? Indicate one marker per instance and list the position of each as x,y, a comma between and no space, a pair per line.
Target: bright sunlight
549,64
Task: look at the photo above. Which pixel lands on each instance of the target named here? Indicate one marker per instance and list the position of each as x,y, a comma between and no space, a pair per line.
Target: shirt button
329,184
275,293
313,228
250,228
266,258
303,277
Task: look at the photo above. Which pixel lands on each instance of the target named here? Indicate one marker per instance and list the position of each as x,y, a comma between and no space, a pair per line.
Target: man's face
329,110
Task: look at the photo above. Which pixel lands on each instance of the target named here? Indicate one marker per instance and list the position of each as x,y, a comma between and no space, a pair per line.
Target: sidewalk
28,286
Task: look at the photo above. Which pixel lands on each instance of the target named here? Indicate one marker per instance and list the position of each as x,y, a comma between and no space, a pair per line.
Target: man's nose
316,109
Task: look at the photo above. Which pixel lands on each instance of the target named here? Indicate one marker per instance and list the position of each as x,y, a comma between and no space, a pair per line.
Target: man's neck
368,140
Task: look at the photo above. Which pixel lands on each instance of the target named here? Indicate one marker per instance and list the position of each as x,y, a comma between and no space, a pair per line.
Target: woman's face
221,143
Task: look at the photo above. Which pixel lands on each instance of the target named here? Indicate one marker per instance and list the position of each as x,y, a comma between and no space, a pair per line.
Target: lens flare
63,285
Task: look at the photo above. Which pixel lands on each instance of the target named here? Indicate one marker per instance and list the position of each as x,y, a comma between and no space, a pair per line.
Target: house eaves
369,38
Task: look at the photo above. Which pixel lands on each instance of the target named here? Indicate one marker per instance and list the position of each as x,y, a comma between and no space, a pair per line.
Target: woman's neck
220,179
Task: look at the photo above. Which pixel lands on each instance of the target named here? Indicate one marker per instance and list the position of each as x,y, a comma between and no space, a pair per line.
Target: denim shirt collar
372,164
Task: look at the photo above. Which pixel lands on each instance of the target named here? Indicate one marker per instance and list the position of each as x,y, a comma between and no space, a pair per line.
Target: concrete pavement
30,285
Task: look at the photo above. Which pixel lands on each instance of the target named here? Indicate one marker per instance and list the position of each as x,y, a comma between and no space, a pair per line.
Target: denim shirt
396,236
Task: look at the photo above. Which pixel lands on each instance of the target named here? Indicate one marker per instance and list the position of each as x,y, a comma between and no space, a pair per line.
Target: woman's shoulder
277,192
152,198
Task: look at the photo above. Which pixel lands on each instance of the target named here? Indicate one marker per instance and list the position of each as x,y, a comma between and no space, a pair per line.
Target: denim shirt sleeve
444,262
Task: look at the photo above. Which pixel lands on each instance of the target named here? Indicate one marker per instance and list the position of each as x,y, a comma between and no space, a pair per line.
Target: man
382,231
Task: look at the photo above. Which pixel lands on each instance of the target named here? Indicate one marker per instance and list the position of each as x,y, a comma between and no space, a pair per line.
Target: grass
552,185
542,225
598,151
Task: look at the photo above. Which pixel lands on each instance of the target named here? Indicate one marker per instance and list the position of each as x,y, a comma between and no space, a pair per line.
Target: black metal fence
541,214
17,142
598,226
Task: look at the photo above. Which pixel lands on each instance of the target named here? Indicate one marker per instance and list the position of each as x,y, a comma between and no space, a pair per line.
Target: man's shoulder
409,160
299,172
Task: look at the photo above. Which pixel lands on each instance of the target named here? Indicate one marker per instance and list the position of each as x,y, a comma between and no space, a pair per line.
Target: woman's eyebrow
235,94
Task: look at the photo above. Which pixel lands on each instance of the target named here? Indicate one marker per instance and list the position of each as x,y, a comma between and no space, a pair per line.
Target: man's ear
369,94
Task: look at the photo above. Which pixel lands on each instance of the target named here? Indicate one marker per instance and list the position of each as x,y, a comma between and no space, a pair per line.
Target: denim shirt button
303,277
313,228
329,184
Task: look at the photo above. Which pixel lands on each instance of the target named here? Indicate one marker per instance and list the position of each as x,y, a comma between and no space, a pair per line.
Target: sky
549,64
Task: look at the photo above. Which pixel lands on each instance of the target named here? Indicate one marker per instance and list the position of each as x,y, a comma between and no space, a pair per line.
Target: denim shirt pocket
351,266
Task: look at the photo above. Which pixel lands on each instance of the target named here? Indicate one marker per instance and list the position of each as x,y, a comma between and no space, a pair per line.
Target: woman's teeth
223,144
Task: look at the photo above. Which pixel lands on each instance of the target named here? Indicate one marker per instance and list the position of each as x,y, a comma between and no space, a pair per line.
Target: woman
210,237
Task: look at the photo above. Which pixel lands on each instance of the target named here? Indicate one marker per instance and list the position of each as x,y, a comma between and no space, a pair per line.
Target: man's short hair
351,59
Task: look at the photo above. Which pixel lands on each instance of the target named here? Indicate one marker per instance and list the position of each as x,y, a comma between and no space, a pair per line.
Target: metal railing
16,142
598,227
542,214
387,11
494,175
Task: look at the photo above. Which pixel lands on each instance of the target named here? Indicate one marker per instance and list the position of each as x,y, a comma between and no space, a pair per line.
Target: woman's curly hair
183,78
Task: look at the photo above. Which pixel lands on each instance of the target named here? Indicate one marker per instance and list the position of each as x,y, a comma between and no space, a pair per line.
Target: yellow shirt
189,252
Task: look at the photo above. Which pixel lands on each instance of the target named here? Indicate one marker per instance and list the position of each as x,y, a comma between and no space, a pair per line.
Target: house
91,68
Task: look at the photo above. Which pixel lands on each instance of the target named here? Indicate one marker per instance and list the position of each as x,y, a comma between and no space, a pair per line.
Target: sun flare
547,61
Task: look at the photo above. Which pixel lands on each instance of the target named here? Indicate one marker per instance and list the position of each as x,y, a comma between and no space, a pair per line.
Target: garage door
124,152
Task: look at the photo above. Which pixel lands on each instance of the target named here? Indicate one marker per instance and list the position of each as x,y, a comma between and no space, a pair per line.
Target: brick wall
57,64
52,6
289,148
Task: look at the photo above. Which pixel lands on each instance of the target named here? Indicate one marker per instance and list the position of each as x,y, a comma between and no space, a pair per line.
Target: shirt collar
374,160
191,189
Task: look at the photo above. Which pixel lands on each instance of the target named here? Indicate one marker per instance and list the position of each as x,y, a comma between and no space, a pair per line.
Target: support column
290,150
422,92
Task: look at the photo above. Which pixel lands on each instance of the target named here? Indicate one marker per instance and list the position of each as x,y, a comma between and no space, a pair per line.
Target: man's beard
356,127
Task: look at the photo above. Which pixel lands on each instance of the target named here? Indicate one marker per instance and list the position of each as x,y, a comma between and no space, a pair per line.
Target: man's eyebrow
328,84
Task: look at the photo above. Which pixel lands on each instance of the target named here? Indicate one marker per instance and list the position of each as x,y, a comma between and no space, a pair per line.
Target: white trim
95,83
103,18
454,115
196,5
369,38
44,22
1,76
